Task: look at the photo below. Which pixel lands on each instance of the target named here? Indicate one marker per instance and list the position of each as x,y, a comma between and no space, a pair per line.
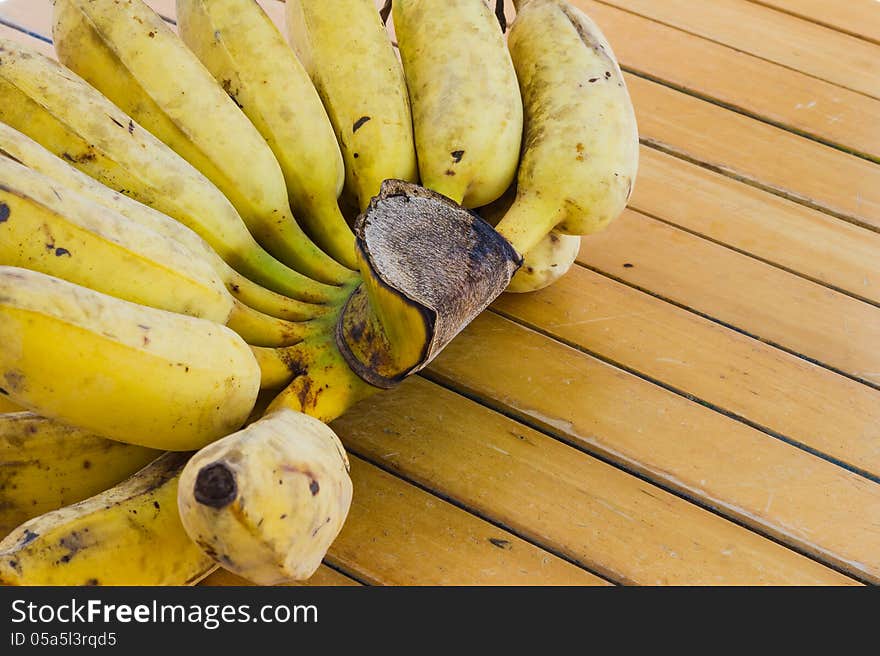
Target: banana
45,465
546,262
128,535
129,53
346,50
121,370
268,502
20,148
394,324
246,53
580,145
62,112
466,106
7,406
58,232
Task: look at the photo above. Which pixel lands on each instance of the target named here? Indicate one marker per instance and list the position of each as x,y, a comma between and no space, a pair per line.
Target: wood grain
616,524
747,83
397,534
776,306
739,375
859,18
763,482
776,230
324,576
785,163
772,35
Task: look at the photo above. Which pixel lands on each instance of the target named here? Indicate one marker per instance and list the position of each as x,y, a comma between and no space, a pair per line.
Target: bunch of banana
141,310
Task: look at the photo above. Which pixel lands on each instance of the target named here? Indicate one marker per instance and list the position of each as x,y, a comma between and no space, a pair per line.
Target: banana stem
269,302
287,241
524,224
330,231
264,330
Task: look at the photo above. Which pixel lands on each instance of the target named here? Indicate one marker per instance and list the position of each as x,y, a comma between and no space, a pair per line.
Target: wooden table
697,401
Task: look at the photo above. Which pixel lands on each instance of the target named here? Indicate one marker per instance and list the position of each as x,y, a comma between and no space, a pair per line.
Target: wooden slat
397,534
777,230
798,44
774,93
592,512
776,306
766,155
324,576
763,482
859,18
740,375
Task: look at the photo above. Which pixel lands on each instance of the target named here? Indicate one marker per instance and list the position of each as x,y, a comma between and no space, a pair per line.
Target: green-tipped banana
128,535
58,109
246,53
45,465
268,501
467,112
580,146
121,370
130,54
346,50
20,148
59,232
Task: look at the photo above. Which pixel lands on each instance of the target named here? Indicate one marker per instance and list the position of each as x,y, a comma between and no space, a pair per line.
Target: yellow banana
246,53
45,465
546,262
346,50
130,54
268,501
7,406
580,145
20,148
58,109
61,233
393,325
127,535
121,370
466,106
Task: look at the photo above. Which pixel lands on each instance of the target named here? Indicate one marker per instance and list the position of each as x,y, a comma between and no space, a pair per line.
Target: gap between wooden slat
608,436
771,35
631,369
767,92
838,16
367,419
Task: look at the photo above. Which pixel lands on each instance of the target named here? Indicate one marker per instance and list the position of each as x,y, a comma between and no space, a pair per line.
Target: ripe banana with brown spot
45,464
20,148
466,106
345,48
246,53
121,370
129,53
56,231
396,322
268,501
58,109
7,406
128,535
580,145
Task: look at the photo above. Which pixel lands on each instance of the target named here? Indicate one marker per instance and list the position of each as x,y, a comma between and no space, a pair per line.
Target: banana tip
215,485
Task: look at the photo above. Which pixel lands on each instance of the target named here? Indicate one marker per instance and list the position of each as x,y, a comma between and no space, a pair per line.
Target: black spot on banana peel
215,485
429,268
